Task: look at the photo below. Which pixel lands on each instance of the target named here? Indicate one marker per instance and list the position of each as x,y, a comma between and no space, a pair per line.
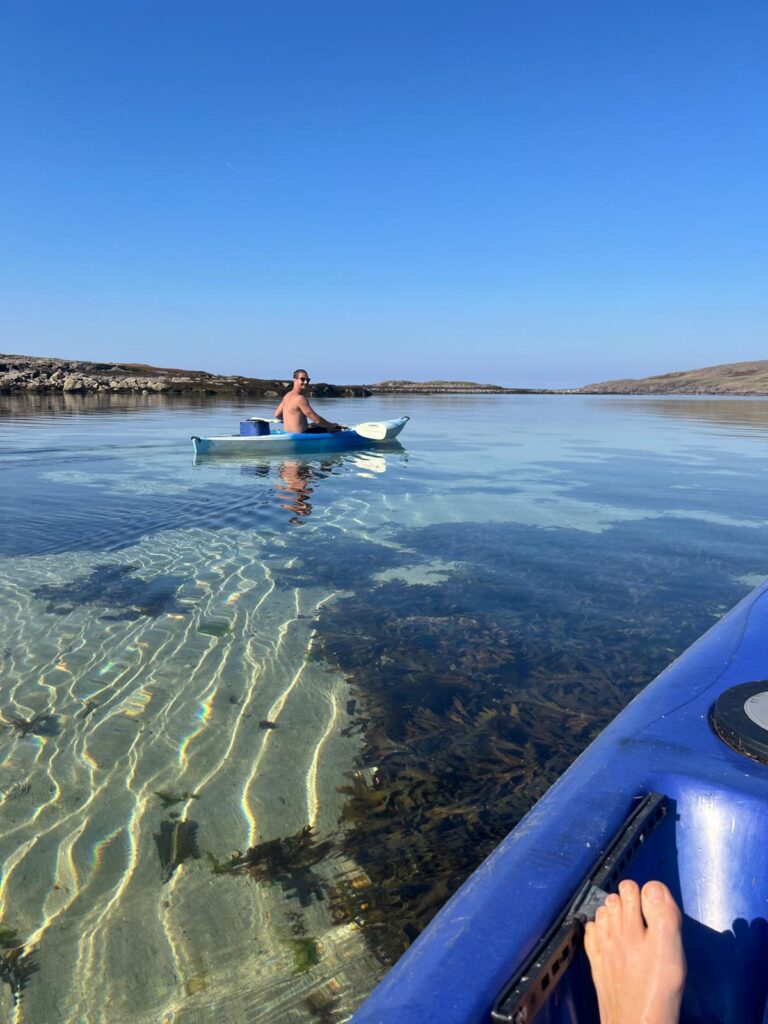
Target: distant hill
726,379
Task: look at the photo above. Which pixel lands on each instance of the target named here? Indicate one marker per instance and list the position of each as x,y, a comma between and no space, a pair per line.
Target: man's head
300,379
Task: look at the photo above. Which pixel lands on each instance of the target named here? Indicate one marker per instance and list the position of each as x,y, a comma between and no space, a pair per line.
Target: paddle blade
373,431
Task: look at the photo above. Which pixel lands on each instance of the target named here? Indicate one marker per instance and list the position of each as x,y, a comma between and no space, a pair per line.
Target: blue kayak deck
281,441
712,850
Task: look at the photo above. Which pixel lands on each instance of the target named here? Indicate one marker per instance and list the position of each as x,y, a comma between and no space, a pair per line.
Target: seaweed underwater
17,965
286,861
171,799
176,842
114,587
42,724
322,1004
473,695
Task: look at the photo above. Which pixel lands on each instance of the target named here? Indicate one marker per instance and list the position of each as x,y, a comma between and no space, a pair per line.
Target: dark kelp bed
472,695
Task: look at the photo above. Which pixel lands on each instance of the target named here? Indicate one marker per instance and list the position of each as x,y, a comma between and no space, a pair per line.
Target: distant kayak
262,436
676,789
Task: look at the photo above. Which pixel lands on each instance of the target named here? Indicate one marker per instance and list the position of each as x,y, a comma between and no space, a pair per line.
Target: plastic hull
712,851
235,444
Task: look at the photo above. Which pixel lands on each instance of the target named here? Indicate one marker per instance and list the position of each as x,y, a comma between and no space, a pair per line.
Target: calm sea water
260,717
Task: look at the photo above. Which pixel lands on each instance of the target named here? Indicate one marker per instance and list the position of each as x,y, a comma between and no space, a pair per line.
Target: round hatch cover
739,716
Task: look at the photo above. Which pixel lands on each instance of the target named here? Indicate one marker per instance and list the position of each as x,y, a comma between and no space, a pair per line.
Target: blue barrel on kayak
253,428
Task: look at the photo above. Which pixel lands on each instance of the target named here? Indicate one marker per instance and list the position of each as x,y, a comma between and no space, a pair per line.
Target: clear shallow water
398,649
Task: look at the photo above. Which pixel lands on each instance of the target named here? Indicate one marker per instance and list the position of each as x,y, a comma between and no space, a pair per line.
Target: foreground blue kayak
261,436
676,789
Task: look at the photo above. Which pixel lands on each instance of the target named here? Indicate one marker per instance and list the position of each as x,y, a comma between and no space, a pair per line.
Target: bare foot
638,967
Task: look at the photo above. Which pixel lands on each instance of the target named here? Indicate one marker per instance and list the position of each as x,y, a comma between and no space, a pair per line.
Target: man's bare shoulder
293,401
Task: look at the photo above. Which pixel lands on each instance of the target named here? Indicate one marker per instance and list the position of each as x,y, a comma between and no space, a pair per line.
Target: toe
632,918
613,914
664,936
659,908
601,931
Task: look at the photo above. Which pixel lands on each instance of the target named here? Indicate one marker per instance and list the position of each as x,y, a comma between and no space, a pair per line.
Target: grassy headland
724,379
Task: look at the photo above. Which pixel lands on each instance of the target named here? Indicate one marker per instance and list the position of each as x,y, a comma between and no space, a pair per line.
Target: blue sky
541,193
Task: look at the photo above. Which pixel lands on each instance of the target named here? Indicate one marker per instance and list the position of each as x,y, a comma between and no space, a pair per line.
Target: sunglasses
304,380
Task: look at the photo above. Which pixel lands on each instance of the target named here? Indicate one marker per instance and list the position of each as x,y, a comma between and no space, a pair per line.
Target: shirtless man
295,409
636,954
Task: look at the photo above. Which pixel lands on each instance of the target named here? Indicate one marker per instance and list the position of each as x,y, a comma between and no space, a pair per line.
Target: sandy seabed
212,699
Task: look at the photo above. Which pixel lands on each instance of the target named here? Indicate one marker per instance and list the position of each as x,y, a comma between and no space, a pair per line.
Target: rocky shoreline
44,375
48,375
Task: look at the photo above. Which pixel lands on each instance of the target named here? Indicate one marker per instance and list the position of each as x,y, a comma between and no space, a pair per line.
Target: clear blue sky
547,192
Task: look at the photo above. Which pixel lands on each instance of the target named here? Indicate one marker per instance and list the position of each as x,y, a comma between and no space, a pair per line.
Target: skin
295,410
635,950
294,489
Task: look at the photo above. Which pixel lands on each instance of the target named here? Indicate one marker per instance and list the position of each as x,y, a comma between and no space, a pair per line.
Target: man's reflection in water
296,480
293,488
293,484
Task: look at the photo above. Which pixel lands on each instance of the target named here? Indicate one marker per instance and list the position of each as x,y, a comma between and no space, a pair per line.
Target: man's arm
321,421
279,410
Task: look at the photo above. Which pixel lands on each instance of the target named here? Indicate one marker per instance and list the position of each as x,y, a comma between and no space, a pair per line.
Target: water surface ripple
259,718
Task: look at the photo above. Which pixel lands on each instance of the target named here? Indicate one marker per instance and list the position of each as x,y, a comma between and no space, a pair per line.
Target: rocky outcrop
35,375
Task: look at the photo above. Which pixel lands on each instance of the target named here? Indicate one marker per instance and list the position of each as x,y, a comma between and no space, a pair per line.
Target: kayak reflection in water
293,488
635,950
